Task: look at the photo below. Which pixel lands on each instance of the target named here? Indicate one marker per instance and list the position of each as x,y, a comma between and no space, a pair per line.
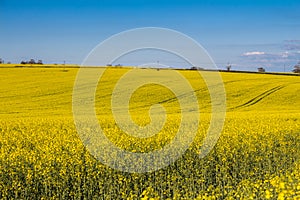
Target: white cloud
254,53
285,55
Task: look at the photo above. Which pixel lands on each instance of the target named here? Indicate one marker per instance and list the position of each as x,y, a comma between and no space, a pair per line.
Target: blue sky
246,33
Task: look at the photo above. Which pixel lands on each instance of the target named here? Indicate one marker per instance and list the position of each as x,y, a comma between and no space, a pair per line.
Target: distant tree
261,69
23,62
228,67
32,61
40,62
196,68
1,61
297,68
8,62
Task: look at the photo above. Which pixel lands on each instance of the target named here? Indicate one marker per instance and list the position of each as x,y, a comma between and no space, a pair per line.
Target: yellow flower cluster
42,156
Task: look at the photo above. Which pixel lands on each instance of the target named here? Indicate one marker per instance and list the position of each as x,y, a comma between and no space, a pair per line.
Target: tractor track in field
184,95
170,100
258,98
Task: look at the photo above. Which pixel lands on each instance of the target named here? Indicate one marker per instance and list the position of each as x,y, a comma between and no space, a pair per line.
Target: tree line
32,61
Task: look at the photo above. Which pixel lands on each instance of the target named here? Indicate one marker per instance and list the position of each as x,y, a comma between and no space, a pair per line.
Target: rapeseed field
42,156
